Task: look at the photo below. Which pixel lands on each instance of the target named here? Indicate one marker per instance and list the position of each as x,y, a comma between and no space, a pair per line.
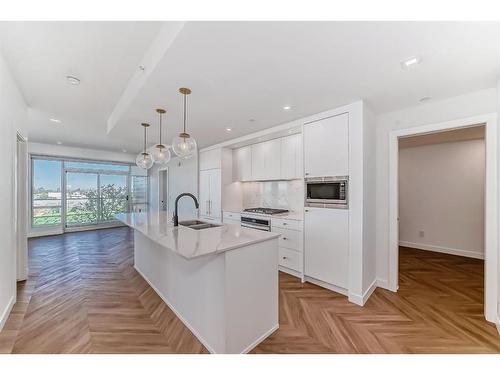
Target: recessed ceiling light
229,129
287,107
123,150
55,120
73,80
410,62
59,142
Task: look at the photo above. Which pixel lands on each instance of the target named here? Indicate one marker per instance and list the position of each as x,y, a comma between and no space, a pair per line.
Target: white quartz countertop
192,243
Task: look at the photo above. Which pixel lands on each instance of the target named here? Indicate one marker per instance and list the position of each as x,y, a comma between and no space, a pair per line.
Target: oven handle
256,226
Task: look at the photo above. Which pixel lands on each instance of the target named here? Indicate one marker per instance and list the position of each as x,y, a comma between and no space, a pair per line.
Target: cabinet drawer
232,215
291,239
289,258
286,224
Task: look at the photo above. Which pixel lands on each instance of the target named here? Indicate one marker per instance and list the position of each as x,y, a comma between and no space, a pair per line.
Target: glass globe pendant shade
184,146
160,154
144,160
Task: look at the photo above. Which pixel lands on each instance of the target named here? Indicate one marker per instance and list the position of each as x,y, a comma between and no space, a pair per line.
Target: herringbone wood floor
84,296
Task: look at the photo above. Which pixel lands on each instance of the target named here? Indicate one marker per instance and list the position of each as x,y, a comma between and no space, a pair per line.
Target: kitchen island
221,282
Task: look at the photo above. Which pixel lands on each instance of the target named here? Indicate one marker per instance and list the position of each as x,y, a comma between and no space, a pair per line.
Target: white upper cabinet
242,164
291,157
272,159
326,147
277,159
210,159
258,161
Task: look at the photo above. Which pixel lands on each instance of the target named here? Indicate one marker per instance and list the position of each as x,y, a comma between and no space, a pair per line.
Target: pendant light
160,152
184,145
144,159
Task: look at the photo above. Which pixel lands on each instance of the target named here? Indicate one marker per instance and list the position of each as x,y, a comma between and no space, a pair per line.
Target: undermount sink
197,224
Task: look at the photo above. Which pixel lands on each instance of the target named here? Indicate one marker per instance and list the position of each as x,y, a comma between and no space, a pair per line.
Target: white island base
229,300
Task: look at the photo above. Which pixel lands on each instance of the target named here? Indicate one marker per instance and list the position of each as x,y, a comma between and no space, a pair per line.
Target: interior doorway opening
441,221
163,190
490,231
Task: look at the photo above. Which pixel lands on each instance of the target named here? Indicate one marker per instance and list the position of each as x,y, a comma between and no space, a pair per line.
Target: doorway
490,202
163,190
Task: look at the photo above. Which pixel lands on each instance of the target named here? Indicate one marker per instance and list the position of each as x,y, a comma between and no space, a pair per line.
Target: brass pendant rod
185,96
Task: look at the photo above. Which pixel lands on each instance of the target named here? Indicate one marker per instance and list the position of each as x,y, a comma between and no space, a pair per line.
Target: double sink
197,224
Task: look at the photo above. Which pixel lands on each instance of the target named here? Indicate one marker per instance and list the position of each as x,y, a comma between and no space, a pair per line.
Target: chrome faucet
176,217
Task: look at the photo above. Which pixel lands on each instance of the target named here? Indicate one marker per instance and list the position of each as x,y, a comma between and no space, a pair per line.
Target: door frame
491,202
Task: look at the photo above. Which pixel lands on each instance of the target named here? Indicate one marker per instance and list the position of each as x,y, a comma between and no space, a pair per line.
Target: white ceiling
104,55
455,135
238,71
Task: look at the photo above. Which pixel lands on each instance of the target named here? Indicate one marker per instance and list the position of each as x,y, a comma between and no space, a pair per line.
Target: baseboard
361,299
441,249
382,283
6,312
325,285
181,318
260,339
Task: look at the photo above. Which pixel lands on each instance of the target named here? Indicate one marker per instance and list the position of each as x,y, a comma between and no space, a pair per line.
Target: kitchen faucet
176,217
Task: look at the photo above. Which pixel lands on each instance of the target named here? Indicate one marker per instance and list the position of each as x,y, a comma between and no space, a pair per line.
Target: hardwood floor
84,296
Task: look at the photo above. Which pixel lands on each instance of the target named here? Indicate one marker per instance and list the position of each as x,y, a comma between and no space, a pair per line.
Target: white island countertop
191,243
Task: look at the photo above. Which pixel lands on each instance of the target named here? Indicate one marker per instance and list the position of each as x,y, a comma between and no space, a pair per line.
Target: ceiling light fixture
123,150
184,145
55,120
59,142
161,154
73,80
229,129
144,160
287,107
410,62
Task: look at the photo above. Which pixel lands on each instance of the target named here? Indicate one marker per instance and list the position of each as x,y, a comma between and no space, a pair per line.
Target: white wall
441,192
182,178
467,105
79,153
13,115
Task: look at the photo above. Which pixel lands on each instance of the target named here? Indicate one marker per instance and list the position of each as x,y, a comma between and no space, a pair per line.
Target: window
46,192
94,192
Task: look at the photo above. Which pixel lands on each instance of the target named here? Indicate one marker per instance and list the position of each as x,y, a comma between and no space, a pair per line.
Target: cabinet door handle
285,224
306,210
206,208
283,257
285,238
307,174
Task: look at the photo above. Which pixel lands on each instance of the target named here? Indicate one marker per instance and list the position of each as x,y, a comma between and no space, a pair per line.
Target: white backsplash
274,194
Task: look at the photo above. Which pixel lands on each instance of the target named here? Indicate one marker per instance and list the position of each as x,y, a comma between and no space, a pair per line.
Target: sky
47,174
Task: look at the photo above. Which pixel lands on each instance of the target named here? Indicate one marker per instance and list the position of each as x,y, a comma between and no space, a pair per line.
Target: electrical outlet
421,233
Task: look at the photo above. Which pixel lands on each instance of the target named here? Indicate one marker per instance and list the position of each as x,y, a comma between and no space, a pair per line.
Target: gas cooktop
266,211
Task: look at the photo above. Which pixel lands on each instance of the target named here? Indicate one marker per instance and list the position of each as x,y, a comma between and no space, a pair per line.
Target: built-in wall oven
256,222
327,192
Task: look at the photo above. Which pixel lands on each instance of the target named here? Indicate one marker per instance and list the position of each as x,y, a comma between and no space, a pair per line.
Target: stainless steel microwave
328,192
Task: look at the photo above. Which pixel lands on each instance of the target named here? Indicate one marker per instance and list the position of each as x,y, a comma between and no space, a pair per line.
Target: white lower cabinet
229,217
291,243
326,245
289,258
